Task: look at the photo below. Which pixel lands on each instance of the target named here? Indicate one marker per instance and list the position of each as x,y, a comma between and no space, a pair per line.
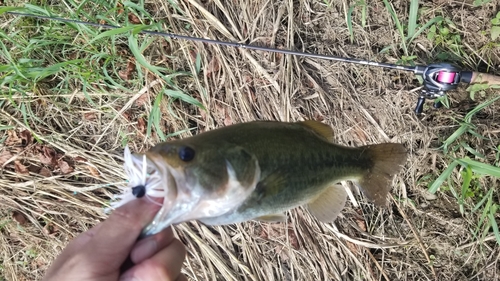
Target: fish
257,171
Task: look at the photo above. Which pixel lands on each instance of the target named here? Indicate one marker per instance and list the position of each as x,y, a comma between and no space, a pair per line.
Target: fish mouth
160,183
181,198
176,201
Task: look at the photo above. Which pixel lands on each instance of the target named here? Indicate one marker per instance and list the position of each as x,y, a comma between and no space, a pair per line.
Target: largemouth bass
257,171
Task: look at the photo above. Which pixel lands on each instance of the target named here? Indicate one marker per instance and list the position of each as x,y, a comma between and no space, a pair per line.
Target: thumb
113,241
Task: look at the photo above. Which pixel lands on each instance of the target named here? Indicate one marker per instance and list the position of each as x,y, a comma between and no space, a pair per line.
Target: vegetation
72,96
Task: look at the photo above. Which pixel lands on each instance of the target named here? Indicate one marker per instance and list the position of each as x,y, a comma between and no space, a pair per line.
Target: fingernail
144,250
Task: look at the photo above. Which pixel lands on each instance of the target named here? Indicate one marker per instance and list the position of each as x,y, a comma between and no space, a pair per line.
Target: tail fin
387,160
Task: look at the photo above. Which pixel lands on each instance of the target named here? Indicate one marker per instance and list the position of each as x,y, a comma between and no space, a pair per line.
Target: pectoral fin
328,205
272,218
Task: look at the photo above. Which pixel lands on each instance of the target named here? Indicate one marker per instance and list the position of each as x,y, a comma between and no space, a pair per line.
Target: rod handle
484,78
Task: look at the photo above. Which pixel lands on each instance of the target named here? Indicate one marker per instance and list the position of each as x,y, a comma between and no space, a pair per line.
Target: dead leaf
247,78
20,168
120,8
133,18
49,229
89,116
12,139
93,171
140,101
5,156
26,138
361,224
193,55
126,115
45,172
125,74
213,66
293,239
34,169
48,156
65,167
141,125
352,247
318,117
79,159
19,217
228,120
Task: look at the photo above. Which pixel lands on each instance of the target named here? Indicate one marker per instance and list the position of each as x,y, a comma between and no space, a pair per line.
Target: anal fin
272,218
328,205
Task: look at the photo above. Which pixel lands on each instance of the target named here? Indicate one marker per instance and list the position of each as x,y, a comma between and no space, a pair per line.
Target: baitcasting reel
438,79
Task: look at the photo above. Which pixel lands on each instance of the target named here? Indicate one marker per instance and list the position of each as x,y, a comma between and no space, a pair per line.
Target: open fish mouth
150,177
181,199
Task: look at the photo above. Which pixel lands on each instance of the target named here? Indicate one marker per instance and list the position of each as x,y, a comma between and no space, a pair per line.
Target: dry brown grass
42,212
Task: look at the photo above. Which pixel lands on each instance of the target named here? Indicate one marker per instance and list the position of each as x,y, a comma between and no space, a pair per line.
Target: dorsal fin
318,127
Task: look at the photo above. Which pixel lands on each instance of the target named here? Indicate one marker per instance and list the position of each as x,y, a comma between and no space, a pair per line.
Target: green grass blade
424,27
494,225
467,178
134,48
154,119
33,8
446,174
9,9
412,20
399,27
113,32
471,150
463,128
480,168
182,96
349,22
478,108
363,13
198,63
478,205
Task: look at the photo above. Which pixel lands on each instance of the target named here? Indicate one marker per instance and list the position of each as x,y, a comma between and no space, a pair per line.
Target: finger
83,238
165,265
149,246
112,242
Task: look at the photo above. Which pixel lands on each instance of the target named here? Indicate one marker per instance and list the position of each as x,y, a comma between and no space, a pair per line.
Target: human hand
98,253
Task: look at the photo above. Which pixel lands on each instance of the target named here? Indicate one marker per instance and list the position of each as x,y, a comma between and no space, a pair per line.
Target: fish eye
186,153
139,191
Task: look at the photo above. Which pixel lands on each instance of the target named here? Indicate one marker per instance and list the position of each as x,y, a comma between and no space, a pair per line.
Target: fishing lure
143,180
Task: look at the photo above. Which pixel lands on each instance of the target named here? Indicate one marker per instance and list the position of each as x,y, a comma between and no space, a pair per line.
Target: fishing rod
438,78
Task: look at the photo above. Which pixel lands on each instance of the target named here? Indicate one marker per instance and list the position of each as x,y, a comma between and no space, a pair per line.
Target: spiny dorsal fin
328,205
272,218
318,127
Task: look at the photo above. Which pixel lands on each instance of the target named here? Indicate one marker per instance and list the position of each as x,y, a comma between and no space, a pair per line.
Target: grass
73,96
472,173
105,55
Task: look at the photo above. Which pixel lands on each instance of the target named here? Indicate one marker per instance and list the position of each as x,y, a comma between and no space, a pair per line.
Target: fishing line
438,78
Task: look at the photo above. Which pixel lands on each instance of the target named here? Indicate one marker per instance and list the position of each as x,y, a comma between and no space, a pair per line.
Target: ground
63,134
